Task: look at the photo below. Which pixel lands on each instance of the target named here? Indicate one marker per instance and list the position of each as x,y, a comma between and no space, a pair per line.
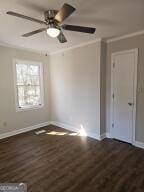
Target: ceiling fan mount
53,23
50,15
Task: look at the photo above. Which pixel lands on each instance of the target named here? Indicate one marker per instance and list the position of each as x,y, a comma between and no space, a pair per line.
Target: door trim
135,51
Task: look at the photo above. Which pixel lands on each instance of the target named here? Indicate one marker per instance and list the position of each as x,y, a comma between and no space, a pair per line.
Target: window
28,85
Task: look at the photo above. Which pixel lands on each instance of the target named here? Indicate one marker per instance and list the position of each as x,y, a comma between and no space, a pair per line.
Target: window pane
28,85
23,96
31,90
22,71
37,89
29,95
33,70
35,80
34,100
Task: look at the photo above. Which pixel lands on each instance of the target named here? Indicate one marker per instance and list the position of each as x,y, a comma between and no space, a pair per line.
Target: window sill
29,108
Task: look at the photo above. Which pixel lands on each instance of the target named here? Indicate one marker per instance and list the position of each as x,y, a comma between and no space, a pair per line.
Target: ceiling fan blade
64,12
34,32
25,17
79,28
62,38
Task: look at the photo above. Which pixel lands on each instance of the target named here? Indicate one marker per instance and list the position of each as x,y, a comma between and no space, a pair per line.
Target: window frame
30,107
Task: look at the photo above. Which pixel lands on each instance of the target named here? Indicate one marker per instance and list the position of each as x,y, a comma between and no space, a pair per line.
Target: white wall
76,94
10,119
75,87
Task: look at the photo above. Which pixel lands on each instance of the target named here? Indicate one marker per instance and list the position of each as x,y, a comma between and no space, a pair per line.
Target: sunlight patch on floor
80,133
73,134
56,133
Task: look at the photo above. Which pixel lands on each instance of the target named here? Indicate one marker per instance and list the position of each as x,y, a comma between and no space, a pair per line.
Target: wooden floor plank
66,163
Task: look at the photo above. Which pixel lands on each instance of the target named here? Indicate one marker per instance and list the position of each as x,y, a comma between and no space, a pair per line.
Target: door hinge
113,95
112,125
113,65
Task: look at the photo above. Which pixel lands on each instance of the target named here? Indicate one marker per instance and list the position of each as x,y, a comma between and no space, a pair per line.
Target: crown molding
76,46
22,48
125,36
4,44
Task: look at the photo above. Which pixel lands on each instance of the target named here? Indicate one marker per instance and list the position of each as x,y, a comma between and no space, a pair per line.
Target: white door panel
123,102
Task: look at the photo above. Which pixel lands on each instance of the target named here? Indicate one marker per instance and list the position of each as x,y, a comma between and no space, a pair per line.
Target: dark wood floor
66,163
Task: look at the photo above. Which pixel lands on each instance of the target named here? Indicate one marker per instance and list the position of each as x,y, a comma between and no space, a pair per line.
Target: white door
123,95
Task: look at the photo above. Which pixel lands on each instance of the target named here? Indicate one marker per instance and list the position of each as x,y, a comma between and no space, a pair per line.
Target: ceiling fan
53,20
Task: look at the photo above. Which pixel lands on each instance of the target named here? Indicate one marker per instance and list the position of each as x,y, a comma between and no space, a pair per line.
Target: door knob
130,104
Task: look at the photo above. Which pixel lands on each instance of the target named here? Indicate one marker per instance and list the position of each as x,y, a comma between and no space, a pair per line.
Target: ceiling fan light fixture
53,31
54,23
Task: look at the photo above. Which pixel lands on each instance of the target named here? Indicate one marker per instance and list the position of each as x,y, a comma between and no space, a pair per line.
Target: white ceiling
112,18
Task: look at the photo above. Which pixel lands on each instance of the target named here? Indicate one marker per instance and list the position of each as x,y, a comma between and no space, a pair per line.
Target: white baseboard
135,143
65,126
102,136
26,129
108,135
62,125
94,136
75,129
139,144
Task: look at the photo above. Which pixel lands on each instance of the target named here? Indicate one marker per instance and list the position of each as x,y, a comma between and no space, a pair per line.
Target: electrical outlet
5,124
70,118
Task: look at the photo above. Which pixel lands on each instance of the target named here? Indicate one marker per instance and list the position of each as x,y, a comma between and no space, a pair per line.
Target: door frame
135,51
